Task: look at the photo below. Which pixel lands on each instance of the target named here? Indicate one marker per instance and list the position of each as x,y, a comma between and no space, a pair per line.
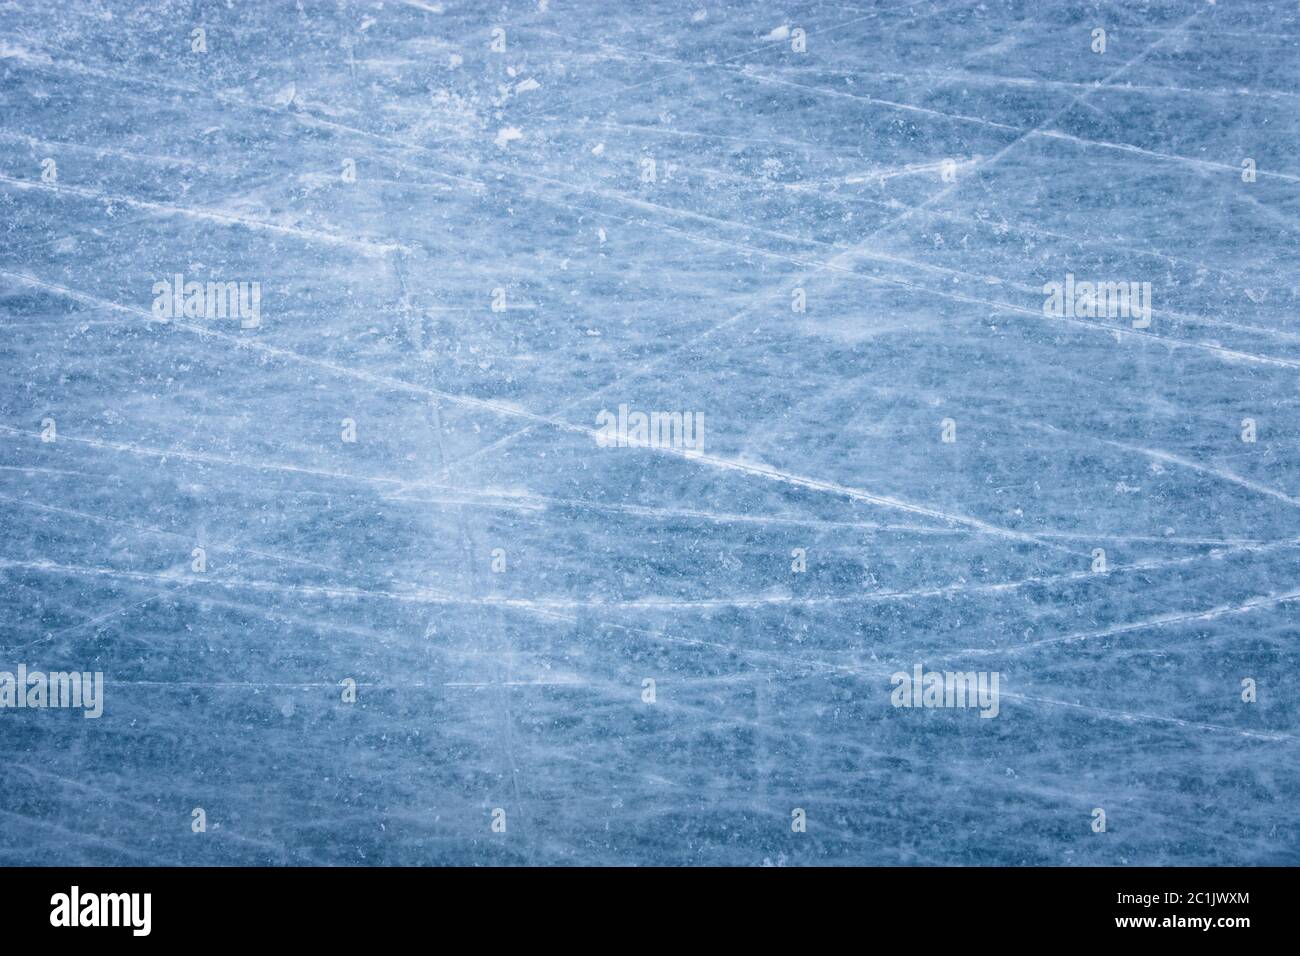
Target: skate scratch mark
1161,620
729,464
211,215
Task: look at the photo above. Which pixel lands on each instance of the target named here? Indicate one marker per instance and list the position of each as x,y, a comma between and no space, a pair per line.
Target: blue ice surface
921,170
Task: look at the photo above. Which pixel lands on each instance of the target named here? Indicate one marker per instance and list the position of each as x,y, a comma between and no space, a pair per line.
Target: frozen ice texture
469,244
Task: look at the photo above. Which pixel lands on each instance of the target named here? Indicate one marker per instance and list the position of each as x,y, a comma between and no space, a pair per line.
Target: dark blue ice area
920,172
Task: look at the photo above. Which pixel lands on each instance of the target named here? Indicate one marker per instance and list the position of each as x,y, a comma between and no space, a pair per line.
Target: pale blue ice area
469,244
